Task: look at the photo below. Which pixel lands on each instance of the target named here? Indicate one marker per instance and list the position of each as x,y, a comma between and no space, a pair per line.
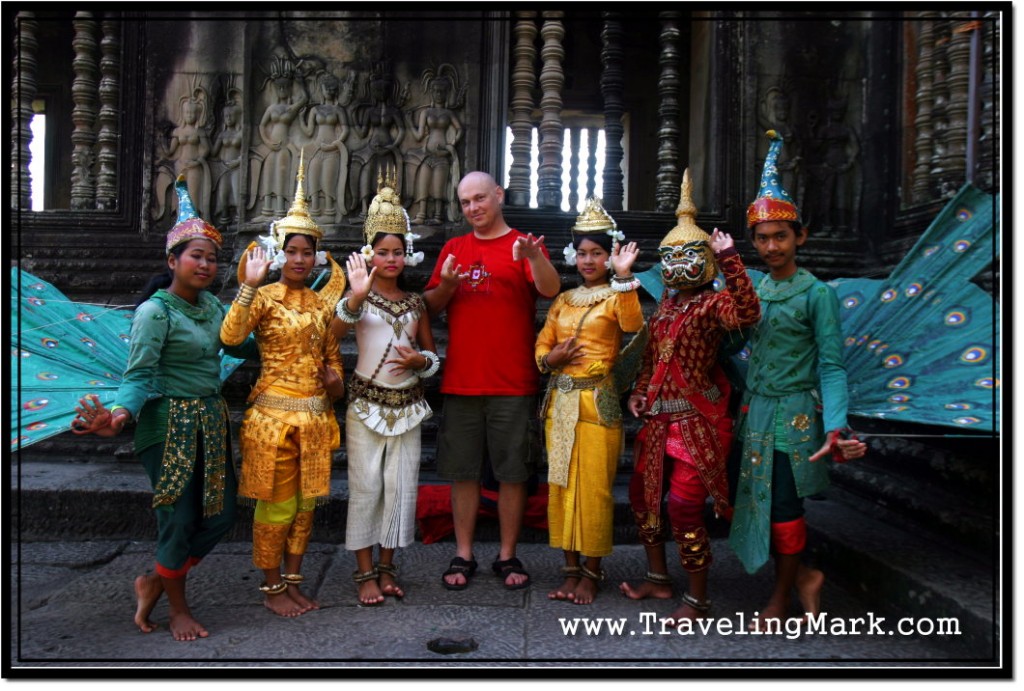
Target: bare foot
808,588
369,593
185,628
586,591
148,590
775,609
282,605
566,590
304,603
646,589
389,586
683,612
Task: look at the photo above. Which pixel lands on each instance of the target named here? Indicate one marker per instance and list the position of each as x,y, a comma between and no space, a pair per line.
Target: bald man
488,281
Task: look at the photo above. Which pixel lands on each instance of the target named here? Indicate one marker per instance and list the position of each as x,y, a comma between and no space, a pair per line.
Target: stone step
892,569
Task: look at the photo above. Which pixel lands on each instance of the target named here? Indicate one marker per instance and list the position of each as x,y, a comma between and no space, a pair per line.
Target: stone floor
73,608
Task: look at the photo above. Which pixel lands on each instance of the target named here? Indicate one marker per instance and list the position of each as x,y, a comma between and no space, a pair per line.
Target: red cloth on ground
434,510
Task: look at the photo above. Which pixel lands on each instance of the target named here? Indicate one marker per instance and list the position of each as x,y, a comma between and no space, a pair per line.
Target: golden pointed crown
298,219
593,219
386,213
686,229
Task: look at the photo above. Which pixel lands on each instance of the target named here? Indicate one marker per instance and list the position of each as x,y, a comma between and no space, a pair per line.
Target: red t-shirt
491,319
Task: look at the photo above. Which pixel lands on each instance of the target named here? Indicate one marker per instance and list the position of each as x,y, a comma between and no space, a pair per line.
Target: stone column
923,118
611,92
940,106
549,173
574,168
23,91
959,52
591,160
110,97
83,93
988,125
666,193
523,80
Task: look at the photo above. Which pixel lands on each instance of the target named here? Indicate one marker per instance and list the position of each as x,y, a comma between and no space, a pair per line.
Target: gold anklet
275,589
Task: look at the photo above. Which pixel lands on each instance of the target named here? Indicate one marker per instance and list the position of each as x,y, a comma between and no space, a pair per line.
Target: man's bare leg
511,509
465,504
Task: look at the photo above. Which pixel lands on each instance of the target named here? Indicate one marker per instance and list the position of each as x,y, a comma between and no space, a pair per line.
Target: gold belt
566,383
682,405
392,398
316,405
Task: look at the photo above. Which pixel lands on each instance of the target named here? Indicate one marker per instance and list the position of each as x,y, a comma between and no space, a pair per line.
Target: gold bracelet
245,296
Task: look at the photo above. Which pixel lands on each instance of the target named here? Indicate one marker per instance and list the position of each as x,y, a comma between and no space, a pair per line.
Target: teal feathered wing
920,346
62,350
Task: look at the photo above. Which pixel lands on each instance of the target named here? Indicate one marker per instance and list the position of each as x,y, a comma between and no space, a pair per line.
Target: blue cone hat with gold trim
189,225
773,203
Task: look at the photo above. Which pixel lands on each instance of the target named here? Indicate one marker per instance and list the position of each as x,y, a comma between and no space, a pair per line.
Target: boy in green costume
793,412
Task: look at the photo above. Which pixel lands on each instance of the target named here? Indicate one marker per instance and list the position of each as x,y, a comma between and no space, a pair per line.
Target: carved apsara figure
272,162
381,124
328,124
434,169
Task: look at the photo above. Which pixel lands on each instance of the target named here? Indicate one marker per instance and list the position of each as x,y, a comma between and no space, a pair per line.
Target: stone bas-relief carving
346,145
226,160
184,151
380,123
327,171
833,189
271,163
434,170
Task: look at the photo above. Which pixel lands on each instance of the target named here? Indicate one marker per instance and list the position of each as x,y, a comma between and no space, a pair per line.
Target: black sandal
459,565
503,569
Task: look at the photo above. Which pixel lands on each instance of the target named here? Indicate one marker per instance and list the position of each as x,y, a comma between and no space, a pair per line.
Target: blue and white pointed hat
189,225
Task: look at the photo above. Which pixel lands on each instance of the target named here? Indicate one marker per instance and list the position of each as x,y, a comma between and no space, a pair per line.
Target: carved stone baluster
940,109
83,93
591,160
523,80
959,52
611,92
574,168
988,124
549,173
666,193
22,92
923,118
110,96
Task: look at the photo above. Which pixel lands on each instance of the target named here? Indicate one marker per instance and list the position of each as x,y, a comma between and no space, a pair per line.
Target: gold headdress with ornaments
387,215
298,222
298,219
686,257
593,220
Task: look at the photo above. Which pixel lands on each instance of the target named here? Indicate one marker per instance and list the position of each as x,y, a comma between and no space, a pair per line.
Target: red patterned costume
687,423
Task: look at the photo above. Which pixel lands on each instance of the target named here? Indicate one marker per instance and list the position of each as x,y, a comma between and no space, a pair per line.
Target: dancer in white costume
386,400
